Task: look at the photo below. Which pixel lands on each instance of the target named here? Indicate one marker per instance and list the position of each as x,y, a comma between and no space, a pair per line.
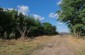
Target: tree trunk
23,33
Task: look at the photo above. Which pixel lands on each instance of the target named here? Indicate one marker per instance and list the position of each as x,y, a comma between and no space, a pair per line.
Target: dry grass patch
25,47
78,45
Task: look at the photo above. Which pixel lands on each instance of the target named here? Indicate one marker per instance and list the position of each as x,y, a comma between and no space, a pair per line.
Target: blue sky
44,10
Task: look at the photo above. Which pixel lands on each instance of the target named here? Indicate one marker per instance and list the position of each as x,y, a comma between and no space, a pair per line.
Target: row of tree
14,24
73,14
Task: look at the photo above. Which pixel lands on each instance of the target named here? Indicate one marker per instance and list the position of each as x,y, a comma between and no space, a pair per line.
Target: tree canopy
14,24
73,14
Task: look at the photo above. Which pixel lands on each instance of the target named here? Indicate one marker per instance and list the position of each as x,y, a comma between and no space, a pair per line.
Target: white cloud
23,9
37,17
59,2
60,23
10,8
53,15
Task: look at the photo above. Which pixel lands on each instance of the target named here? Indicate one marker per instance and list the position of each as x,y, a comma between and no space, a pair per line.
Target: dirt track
59,46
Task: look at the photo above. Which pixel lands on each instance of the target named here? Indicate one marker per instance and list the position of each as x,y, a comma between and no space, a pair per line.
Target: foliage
73,13
49,29
14,24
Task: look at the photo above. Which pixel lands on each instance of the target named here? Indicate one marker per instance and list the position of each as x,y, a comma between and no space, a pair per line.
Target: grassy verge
78,45
22,47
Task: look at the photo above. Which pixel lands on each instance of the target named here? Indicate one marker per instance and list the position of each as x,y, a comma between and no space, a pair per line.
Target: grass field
22,47
27,46
78,45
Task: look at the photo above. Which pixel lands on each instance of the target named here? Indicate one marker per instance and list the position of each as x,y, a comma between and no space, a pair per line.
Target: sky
44,10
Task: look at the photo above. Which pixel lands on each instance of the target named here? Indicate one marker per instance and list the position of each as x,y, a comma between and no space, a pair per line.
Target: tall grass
22,47
78,45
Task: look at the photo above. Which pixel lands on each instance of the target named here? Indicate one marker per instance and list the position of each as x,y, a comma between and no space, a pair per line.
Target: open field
45,45
22,47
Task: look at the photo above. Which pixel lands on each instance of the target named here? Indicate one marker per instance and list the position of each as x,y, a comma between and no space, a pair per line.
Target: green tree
14,24
49,29
72,13
5,23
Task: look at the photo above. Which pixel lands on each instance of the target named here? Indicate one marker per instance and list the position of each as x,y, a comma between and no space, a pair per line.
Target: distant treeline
14,24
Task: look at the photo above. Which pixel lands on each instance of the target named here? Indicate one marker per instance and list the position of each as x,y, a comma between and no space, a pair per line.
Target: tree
49,29
72,13
5,23
14,24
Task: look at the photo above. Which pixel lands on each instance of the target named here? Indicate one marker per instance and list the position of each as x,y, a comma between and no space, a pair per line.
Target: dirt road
59,46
